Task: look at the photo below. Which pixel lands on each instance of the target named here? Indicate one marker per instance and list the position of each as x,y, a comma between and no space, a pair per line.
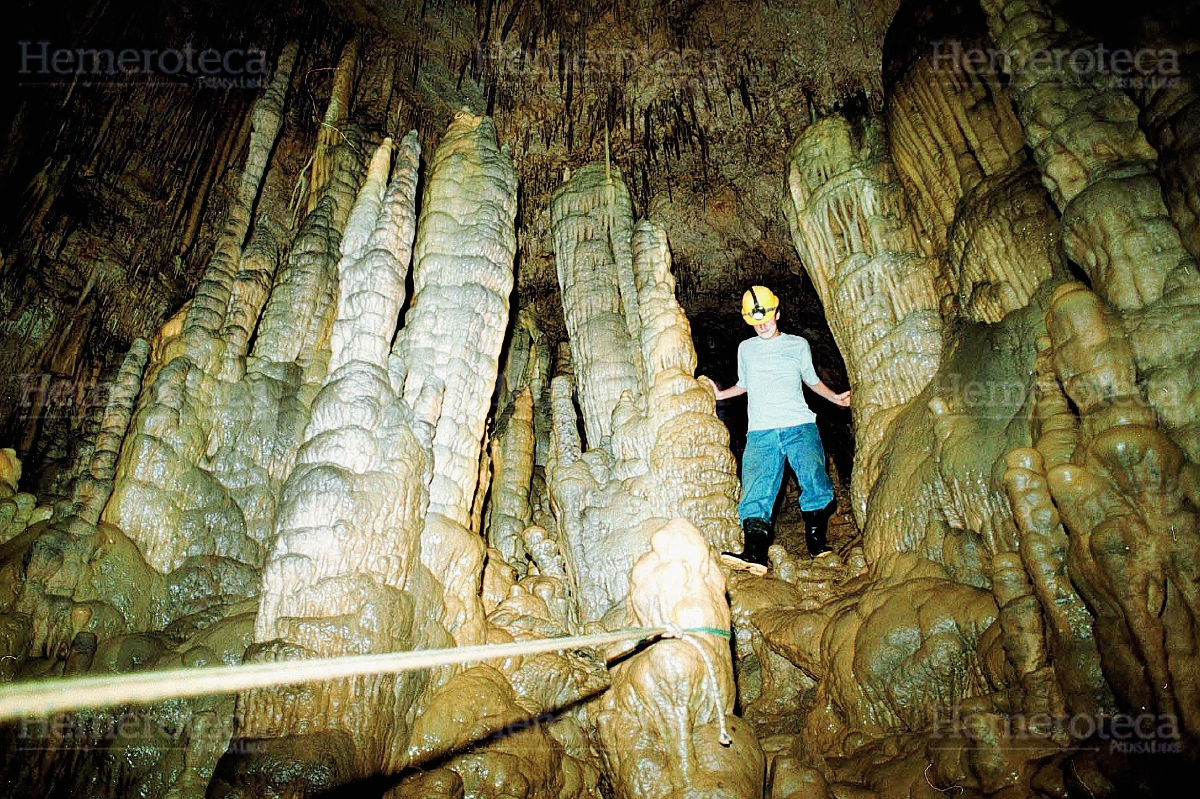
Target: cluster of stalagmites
303,464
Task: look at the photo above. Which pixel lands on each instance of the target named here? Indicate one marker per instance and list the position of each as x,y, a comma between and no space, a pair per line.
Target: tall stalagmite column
590,214
691,467
448,356
1100,171
851,225
351,512
462,277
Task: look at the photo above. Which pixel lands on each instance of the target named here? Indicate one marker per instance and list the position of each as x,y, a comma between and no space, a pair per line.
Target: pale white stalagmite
852,228
691,468
512,463
462,276
446,360
163,499
251,286
667,723
1100,171
207,314
604,355
351,512
296,321
258,429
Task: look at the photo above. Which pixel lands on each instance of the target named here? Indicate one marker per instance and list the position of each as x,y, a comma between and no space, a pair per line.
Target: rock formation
279,387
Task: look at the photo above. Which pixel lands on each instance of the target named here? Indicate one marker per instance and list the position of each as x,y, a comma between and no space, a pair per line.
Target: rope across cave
44,697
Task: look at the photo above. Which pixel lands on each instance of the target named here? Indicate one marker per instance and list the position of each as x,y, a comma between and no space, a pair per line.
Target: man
771,368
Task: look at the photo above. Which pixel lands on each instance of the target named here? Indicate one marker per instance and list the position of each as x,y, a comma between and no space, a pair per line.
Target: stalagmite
18,509
61,558
258,428
1100,171
170,429
307,459
461,281
251,287
589,276
450,346
667,722
351,512
331,132
693,472
208,312
1044,547
512,461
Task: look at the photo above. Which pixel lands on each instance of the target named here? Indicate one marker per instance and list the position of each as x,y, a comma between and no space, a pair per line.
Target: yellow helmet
759,305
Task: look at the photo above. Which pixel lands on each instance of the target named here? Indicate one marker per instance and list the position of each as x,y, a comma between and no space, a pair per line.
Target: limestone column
851,226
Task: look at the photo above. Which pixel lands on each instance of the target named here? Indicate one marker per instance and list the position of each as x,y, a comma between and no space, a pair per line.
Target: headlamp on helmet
759,305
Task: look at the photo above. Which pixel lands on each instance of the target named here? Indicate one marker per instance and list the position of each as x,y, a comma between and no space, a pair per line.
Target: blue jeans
762,469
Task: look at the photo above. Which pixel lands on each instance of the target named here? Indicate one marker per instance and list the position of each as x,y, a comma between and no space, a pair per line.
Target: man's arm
820,389
724,393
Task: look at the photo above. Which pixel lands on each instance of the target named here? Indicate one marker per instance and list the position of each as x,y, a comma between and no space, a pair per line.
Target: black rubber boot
816,523
756,541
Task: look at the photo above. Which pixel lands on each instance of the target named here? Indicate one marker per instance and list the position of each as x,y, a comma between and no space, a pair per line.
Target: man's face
768,328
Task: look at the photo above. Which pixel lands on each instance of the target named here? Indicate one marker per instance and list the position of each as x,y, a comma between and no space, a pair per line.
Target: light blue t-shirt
771,370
